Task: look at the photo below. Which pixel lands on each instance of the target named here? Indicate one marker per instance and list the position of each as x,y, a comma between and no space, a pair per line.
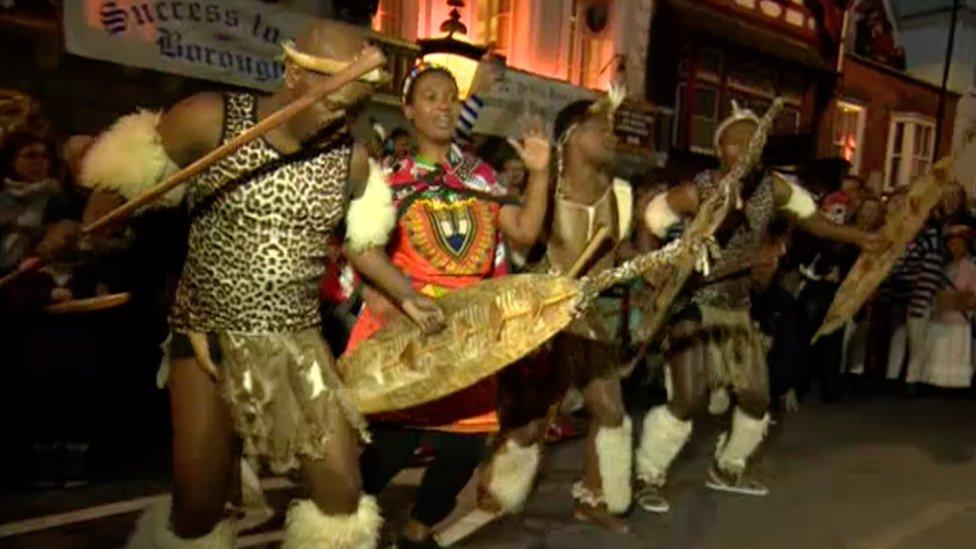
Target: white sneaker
650,498
734,484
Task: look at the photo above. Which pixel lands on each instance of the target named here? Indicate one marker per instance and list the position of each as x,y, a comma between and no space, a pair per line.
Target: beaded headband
420,68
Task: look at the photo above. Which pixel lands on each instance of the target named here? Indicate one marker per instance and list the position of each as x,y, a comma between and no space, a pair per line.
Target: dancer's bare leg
749,423
667,427
334,483
338,514
204,453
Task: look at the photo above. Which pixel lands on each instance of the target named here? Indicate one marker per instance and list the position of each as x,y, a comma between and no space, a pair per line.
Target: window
704,118
495,21
388,17
849,132
721,77
911,141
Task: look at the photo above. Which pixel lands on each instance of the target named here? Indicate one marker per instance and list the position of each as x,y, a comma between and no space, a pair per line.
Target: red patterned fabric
446,238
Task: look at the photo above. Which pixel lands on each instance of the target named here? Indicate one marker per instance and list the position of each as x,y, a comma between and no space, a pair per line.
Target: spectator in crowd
30,196
824,273
500,155
857,336
949,360
922,276
778,313
400,143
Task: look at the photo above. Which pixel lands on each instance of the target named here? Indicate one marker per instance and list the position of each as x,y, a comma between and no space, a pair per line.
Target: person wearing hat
712,341
950,341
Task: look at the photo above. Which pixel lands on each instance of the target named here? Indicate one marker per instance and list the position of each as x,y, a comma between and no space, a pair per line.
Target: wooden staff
587,254
371,59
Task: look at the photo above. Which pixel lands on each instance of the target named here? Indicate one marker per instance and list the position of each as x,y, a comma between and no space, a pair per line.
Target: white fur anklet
513,470
615,453
737,446
309,528
662,438
153,531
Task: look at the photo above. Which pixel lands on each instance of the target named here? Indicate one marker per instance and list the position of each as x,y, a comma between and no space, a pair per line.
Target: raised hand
535,148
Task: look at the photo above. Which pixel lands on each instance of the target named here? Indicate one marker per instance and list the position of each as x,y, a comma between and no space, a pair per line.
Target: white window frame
912,122
862,112
679,103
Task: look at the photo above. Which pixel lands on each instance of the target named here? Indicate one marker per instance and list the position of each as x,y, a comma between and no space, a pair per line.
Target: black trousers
456,456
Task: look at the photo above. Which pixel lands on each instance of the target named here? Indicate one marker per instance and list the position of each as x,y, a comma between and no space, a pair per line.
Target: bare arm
522,225
192,127
375,265
821,227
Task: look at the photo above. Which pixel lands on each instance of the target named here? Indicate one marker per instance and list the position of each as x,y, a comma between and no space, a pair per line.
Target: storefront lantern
454,50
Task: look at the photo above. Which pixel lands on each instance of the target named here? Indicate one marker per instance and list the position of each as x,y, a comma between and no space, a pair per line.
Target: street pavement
872,474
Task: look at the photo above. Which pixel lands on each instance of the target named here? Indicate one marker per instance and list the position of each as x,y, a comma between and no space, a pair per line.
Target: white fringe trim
309,528
513,471
662,438
372,216
129,158
153,531
614,451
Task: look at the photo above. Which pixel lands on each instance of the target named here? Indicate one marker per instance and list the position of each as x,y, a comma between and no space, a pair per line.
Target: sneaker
735,484
650,498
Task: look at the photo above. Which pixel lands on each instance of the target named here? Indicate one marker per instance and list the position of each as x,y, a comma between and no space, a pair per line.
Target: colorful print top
447,229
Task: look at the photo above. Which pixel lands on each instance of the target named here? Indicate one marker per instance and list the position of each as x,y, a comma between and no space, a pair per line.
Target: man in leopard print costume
246,359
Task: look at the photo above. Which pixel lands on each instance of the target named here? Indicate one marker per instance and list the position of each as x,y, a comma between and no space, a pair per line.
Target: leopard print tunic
746,241
258,235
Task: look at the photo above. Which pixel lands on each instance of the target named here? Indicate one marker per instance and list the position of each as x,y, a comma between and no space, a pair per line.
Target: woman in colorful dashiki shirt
452,219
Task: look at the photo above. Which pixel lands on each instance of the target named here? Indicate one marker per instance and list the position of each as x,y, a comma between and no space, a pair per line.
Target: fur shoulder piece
371,217
129,158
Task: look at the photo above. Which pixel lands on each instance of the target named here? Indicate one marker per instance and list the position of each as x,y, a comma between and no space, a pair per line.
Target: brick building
705,54
881,119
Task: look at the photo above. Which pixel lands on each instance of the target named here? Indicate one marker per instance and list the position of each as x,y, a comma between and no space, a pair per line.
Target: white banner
519,93
232,41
